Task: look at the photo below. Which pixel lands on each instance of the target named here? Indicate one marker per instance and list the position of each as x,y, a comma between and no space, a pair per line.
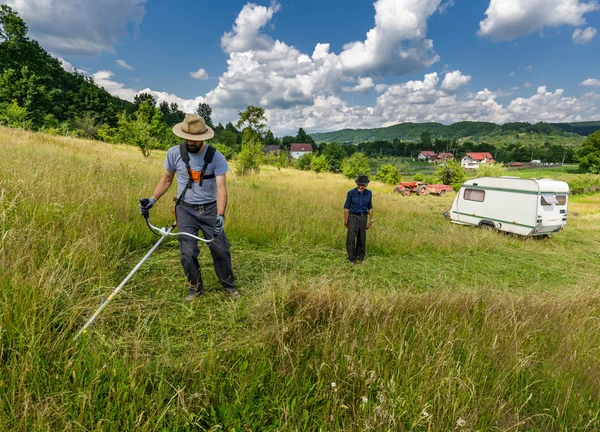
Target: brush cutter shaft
116,291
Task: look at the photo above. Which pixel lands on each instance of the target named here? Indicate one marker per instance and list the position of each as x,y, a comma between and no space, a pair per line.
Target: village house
271,148
427,155
297,150
443,157
471,161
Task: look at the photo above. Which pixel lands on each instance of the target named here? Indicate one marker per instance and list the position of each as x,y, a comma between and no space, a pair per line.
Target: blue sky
332,64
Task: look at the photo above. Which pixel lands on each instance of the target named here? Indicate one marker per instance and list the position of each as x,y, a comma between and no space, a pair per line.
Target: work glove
145,206
219,224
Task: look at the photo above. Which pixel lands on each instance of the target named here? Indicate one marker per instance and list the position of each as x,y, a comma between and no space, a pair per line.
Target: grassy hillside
444,327
571,134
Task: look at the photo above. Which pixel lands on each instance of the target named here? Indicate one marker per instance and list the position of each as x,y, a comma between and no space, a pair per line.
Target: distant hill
569,134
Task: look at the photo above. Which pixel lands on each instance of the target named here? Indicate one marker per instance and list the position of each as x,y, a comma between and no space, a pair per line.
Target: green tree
335,154
270,139
254,118
251,156
303,137
205,111
355,165
304,161
319,163
140,98
388,174
15,116
426,142
588,154
452,173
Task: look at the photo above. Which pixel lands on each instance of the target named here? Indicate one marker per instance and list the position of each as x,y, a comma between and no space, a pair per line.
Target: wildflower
460,422
333,385
425,414
364,399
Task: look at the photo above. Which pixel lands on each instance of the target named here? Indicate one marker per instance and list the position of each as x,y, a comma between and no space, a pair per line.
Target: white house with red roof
474,159
297,150
427,155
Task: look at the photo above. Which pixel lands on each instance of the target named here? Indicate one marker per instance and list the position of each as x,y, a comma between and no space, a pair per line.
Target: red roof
301,147
445,156
428,153
517,164
479,156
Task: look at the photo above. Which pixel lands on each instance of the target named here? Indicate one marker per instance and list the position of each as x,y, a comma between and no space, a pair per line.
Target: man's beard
193,148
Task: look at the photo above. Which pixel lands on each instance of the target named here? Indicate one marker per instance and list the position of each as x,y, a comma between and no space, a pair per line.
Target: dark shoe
351,261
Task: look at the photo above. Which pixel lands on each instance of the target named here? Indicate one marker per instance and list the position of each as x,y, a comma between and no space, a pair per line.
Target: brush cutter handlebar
167,231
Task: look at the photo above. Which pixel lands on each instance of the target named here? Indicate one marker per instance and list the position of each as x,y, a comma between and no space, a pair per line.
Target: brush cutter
163,233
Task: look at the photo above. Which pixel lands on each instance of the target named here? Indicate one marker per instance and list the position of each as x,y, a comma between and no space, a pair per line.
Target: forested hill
559,133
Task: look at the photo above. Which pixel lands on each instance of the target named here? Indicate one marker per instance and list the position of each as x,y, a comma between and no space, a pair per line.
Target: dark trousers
192,220
356,240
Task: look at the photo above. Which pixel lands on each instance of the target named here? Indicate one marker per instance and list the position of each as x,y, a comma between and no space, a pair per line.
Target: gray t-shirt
196,194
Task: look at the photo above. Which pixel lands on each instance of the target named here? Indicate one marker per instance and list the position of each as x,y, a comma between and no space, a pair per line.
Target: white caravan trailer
512,204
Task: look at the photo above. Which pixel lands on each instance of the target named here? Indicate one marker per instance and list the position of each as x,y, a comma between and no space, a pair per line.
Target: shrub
452,173
388,174
303,162
588,154
355,165
319,163
251,156
490,170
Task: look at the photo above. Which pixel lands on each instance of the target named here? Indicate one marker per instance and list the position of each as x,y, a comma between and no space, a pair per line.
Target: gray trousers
202,218
356,239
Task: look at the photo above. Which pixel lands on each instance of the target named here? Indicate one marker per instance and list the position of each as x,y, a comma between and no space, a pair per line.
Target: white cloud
582,37
65,64
397,43
512,74
527,84
363,86
591,82
200,74
444,7
124,64
103,79
245,34
83,28
455,80
301,90
508,19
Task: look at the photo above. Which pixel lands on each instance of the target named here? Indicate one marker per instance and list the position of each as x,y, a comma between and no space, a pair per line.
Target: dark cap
362,179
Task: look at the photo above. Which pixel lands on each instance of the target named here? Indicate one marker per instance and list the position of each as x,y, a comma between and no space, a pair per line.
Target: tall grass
444,327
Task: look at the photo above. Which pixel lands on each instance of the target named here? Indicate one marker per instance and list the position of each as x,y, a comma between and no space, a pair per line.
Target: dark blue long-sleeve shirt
357,202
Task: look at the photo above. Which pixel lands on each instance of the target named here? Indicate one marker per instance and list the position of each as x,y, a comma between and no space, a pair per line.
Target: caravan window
561,200
474,195
548,200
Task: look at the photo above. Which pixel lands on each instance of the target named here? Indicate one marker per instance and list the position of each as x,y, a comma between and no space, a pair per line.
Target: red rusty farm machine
421,189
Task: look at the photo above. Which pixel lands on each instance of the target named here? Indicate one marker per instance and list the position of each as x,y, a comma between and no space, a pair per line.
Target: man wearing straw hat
358,206
202,208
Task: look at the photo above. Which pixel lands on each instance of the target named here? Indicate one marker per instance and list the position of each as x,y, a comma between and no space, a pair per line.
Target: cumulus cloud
591,82
363,86
103,78
65,64
582,37
200,74
397,43
454,81
123,64
86,28
508,19
245,35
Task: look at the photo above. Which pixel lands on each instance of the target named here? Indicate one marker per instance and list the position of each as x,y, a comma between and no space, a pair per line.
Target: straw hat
193,128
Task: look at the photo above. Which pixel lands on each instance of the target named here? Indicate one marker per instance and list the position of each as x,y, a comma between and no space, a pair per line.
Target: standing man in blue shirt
203,205
359,205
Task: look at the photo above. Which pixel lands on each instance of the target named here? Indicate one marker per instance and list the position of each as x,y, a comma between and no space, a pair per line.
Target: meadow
442,328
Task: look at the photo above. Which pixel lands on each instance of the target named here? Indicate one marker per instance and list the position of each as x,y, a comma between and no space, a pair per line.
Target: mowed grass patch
444,327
